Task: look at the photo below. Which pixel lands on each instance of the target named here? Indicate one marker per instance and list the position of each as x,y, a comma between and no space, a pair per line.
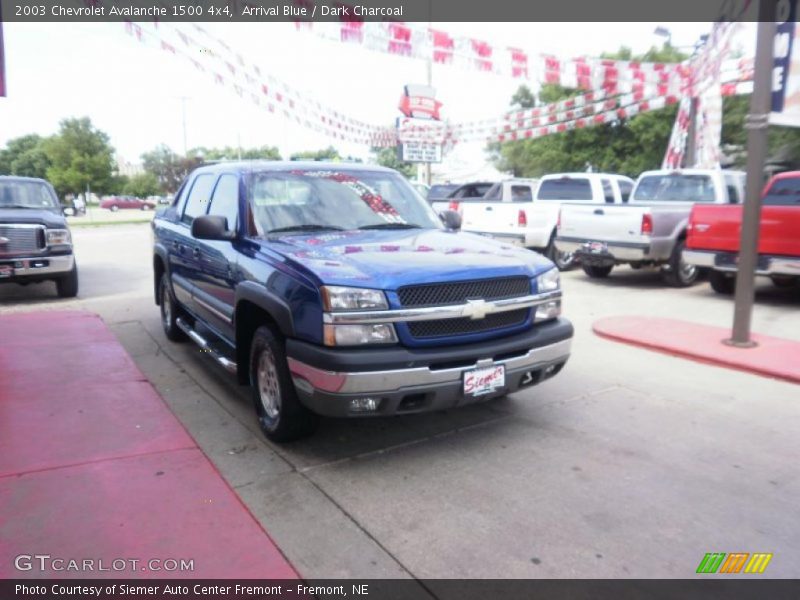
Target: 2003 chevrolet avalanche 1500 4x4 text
35,242
336,290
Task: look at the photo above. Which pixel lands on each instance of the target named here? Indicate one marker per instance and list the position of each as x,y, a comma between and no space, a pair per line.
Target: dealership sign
419,102
424,152
786,67
420,133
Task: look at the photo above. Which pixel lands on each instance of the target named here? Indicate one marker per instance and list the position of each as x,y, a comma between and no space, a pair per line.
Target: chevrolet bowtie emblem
476,309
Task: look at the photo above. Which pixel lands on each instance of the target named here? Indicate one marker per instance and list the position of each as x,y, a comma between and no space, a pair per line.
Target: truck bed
720,227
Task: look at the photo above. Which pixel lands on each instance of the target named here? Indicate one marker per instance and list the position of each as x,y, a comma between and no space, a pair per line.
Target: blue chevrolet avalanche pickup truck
336,290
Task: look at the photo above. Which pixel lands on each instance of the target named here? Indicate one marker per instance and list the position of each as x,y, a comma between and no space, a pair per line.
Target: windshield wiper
392,226
307,227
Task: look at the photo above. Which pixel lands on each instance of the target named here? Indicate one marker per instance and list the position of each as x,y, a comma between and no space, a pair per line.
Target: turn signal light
647,224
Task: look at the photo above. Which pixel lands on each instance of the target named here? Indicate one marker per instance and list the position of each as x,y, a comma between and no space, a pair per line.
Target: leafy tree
80,156
329,153
169,168
387,157
229,153
142,185
523,98
24,156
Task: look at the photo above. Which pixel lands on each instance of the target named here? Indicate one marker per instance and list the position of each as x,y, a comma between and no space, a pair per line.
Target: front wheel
722,283
169,311
680,273
597,271
67,285
280,414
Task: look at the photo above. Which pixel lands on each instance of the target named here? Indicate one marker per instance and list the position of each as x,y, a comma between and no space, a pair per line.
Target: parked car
35,241
463,193
440,191
714,233
334,289
524,212
651,229
116,203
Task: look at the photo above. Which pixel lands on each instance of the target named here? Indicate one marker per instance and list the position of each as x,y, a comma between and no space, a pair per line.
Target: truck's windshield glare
26,194
304,199
566,188
783,192
674,188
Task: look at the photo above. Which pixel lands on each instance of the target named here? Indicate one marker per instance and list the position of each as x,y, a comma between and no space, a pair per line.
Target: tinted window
733,194
199,195
565,188
521,193
28,194
473,190
608,192
438,192
495,192
783,192
625,188
225,201
675,188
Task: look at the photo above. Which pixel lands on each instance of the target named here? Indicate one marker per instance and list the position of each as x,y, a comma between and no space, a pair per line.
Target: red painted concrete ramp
94,466
773,357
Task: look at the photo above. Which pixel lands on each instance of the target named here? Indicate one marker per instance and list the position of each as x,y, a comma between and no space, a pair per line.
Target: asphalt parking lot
627,464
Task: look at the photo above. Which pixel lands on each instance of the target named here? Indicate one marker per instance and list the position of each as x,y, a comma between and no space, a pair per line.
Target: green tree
169,168
387,157
329,153
24,156
80,156
229,153
142,185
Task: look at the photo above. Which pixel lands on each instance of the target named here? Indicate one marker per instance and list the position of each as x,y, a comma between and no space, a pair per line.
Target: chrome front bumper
41,266
310,378
768,265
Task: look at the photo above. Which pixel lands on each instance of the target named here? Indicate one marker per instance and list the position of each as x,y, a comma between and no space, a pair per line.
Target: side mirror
451,219
211,227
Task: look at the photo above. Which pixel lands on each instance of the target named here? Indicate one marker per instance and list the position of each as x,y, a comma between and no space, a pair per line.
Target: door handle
599,211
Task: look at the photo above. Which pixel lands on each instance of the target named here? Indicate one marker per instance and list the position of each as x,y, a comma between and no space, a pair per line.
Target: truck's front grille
442,294
448,327
19,239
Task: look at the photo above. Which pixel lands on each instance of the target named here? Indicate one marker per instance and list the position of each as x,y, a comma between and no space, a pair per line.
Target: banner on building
786,67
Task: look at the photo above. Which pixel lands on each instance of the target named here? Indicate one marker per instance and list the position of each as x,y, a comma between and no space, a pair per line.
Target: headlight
346,298
355,335
58,237
549,281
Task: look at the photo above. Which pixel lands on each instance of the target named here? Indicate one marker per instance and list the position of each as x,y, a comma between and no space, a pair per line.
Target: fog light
549,310
364,404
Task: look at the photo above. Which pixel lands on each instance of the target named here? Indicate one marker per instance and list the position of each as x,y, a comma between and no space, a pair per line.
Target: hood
49,218
388,260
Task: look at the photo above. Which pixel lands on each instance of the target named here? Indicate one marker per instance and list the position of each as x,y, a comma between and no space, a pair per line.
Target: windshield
26,194
565,188
305,200
783,192
674,188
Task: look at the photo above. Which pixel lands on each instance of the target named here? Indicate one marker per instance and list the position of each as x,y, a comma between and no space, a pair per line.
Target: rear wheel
680,273
280,414
597,271
67,285
722,283
169,311
562,260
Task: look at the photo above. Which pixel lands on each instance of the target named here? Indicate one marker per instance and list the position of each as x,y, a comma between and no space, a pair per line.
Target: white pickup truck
651,229
529,219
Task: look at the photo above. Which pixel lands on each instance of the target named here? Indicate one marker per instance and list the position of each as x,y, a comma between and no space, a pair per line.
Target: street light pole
756,124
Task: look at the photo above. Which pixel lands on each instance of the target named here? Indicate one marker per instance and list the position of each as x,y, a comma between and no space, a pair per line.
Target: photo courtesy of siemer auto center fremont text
399,299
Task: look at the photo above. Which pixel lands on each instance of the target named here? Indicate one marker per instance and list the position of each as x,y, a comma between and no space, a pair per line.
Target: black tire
597,271
680,273
67,285
281,416
784,282
722,283
114,208
563,260
169,311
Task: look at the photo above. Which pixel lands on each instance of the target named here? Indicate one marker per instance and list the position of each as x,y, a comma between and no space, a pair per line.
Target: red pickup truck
714,231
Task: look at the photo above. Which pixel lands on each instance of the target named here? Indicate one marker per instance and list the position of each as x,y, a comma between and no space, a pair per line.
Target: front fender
273,305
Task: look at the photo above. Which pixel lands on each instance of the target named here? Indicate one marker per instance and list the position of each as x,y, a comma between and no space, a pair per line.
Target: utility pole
756,123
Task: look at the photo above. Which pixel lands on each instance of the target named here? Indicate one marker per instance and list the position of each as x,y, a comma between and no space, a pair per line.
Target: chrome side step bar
198,339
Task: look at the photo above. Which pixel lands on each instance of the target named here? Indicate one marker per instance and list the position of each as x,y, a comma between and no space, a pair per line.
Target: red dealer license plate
479,382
